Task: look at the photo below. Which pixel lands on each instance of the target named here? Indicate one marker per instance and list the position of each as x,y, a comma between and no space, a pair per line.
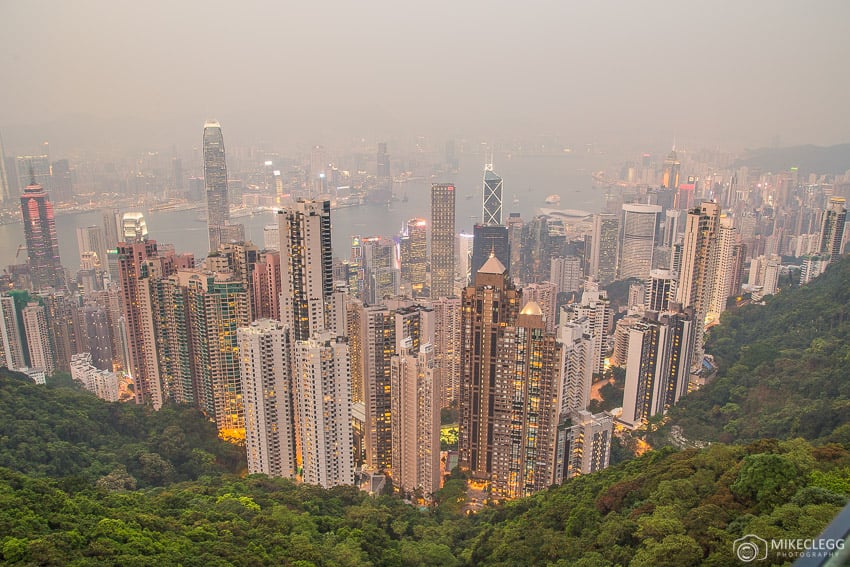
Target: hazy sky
729,73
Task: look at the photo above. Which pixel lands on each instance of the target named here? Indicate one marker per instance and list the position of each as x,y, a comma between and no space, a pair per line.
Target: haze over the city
98,74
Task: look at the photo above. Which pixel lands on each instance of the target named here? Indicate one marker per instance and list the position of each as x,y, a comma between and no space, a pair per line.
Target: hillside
808,159
62,431
663,509
784,369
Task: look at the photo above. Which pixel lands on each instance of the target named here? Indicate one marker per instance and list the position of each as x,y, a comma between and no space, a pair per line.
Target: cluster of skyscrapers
335,371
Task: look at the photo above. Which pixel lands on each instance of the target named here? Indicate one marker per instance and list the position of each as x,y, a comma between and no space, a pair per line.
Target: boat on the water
553,200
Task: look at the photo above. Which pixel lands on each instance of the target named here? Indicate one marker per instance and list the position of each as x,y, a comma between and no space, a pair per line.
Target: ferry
553,200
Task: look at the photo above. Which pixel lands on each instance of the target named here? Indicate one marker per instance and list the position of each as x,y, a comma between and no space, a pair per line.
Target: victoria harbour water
528,180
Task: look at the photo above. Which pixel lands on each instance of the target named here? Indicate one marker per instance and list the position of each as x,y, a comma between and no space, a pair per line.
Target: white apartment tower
322,404
416,420
264,362
38,340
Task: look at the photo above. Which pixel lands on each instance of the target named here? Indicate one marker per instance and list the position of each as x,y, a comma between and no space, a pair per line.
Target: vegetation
66,433
783,369
662,509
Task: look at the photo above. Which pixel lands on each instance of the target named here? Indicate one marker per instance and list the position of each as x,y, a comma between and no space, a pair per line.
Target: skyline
622,75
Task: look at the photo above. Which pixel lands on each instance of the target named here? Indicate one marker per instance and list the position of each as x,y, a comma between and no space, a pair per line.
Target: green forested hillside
784,368
62,431
663,509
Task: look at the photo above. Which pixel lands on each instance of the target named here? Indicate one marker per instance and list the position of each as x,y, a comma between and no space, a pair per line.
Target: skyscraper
524,422
416,419
699,253
376,269
832,228
215,180
584,445
382,332
489,239
670,172
265,366
447,323
5,190
11,340
604,247
638,243
442,239
306,266
382,169
40,234
726,268
218,304
658,367
492,197
414,255
38,338
322,405
488,308
142,358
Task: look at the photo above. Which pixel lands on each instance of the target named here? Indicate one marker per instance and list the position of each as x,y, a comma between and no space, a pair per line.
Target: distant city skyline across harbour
528,180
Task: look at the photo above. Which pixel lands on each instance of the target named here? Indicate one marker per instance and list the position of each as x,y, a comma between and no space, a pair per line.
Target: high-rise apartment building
576,369
583,446
488,308
40,234
215,181
38,338
566,273
11,339
491,204
594,314
465,249
415,420
699,254
414,256
306,266
141,363
545,295
102,383
218,303
604,247
515,226
447,324
382,332
265,370
658,367
442,240
661,291
524,416
638,242
64,325
98,336
322,404
265,280
832,228
726,269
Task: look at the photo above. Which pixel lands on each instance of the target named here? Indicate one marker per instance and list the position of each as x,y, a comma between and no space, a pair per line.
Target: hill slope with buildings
783,369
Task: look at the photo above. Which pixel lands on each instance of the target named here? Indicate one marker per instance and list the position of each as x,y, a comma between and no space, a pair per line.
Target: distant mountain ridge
807,159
